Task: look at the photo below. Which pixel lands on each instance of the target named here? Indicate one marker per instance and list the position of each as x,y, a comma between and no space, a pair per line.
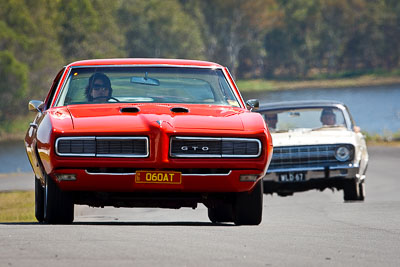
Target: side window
53,88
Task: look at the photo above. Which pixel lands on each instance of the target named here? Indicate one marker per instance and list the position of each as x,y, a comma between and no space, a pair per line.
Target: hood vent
130,110
179,110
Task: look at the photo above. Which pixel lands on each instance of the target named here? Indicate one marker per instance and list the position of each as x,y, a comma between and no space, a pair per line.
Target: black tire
361,192
248,206
353,190
58,205
222,212
39,201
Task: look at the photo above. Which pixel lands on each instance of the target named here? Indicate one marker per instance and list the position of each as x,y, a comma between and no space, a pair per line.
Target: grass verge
17,206
387,138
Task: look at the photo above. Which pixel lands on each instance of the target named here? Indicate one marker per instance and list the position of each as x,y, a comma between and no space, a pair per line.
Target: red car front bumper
126,182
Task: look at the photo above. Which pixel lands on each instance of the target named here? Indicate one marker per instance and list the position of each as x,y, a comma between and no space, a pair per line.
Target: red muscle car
147,133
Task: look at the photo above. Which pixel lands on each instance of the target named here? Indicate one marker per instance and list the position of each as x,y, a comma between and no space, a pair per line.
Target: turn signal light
248,177
66,177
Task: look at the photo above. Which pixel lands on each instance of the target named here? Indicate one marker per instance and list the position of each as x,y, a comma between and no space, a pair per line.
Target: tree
158,28
43,55
233,24
88,29
13,85
290,46
333,36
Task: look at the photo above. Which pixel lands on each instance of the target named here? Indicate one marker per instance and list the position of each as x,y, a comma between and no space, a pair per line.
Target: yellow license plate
158,177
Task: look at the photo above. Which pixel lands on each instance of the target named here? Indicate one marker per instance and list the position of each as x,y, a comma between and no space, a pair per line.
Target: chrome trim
134,173
104,138
349,166
304,169
240,139
121,137
61,88
234,86
214,155
350,172
296,169
196,156
146,65
346,116
36,105
110,173
203,174
197,138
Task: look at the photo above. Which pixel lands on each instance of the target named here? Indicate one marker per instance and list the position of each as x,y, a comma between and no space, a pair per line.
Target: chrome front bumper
337,171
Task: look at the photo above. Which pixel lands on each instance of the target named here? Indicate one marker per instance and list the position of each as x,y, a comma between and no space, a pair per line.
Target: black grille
102,146
301,156
214,147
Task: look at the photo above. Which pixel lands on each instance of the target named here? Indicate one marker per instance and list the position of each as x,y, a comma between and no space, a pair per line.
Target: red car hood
124,117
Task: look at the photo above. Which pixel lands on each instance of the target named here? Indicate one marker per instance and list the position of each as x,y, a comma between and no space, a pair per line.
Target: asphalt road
308,229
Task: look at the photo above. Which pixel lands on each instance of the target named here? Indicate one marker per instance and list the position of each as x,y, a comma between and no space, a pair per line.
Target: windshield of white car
321,118
88,85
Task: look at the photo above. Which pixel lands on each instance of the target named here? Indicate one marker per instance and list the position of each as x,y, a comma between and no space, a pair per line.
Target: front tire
353,190
361,191
39,200
248,206
221,212
58,205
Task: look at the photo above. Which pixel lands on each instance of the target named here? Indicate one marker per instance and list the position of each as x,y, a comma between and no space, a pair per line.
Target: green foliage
158,28
13,84
88,29
231,26
331,36
387,136
256,39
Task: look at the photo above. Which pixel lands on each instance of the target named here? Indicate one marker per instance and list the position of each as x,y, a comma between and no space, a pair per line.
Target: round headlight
342,153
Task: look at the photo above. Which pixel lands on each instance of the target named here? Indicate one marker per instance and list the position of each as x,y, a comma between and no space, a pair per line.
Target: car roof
145,61
301,104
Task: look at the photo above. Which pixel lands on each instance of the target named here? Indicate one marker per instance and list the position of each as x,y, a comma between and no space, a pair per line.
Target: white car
316,146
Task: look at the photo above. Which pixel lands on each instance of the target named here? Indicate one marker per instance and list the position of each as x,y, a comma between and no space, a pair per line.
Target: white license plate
292,177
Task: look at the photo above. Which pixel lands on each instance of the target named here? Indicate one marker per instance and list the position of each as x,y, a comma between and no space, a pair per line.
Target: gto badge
194,148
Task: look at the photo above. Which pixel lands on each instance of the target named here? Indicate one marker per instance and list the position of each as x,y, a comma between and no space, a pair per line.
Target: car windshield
284,120
147,85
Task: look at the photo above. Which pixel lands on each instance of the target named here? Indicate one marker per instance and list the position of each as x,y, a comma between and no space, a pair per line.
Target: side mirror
36,105
252,104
